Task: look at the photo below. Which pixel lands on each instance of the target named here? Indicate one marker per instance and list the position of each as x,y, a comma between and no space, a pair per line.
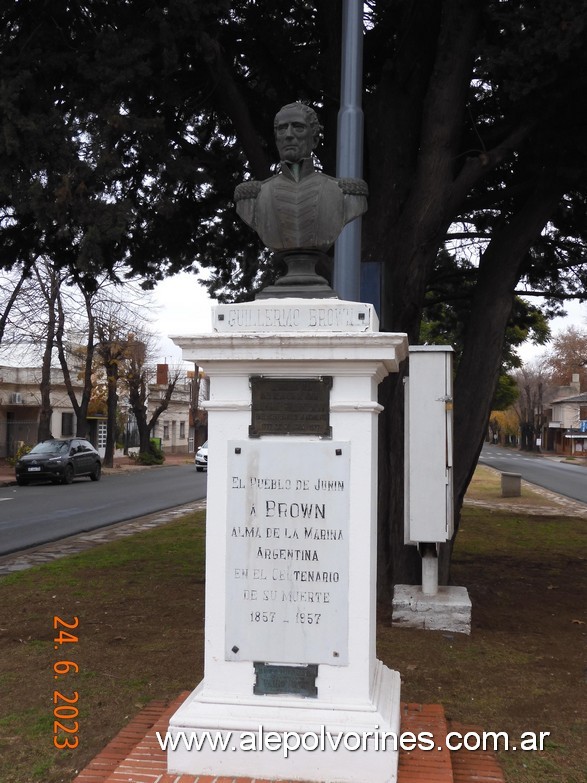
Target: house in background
172,426
566,428
20,406
199,393
183,426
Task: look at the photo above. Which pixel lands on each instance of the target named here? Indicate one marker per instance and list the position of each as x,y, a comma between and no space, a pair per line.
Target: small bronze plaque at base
273,679
290,406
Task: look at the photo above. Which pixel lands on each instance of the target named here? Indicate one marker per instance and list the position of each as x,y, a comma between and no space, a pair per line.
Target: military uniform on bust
299,212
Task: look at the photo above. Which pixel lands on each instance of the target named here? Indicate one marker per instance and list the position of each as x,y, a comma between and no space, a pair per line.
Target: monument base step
240,723
448,610
135,756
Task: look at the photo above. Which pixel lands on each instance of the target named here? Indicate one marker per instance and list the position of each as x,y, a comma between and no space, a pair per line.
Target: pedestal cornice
388,348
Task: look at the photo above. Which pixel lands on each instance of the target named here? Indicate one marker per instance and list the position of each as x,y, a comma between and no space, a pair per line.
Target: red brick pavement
134,755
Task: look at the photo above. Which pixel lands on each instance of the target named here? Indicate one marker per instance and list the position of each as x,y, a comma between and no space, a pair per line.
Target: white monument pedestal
291,680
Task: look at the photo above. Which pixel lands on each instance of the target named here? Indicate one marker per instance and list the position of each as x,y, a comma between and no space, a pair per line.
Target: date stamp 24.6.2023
65,709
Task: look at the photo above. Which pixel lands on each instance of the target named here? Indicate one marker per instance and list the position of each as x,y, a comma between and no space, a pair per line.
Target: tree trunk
82,412
415,245
46,412
111,405
81,417
137,396
479,367
408,217
396,562
527,436
142,425
80,407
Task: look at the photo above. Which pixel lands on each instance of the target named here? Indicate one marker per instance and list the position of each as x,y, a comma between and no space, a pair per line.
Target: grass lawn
140,607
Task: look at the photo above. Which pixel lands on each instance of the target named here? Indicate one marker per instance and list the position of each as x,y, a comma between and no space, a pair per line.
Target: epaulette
353,187
249,189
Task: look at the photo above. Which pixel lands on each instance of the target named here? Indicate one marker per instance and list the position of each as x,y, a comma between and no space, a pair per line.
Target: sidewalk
135,755
121,465
554,457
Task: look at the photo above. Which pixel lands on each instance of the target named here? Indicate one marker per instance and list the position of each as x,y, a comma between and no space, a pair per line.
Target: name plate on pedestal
290,406
287,552
294,316
272,680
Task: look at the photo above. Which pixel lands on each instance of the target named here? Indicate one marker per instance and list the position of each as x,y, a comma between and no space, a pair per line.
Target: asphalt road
39,513
562,477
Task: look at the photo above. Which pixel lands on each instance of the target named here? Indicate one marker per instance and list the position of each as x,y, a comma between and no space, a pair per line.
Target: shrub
23,449
152,457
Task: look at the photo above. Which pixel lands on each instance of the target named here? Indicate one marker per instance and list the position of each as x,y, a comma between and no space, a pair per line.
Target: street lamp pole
349,160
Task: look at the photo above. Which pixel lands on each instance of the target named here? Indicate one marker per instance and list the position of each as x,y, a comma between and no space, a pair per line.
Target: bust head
297,132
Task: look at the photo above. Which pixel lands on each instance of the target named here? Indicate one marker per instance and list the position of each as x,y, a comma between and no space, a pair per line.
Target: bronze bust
299,212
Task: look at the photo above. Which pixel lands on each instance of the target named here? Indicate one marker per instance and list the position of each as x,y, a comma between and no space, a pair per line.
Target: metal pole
349,159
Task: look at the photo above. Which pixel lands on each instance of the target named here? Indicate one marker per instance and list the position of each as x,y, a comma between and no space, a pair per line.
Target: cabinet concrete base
273,738
448,610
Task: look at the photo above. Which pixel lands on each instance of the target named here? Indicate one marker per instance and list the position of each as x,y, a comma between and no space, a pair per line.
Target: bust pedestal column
292,683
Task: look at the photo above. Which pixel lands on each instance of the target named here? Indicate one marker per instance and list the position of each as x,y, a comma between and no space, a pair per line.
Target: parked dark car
59,461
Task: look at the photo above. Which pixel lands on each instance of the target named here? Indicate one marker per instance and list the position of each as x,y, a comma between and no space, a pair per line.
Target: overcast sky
184,308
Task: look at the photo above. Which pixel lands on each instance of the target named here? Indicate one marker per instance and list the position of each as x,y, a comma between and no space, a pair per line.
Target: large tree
127,125
567,356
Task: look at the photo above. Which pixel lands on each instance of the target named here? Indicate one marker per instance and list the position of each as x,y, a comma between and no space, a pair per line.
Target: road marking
6,498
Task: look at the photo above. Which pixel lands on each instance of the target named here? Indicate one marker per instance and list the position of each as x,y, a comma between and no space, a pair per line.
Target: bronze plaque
290,406
272,679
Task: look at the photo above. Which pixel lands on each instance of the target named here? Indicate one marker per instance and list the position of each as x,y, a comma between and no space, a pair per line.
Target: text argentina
287,554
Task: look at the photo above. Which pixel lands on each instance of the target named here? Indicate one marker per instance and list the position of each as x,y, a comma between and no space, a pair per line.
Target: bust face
294,136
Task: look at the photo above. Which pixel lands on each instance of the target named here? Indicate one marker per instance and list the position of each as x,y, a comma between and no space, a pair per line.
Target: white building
182,427
20,407
567,428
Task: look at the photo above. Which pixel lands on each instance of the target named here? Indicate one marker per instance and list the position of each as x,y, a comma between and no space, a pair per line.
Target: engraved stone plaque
298,316
290,406
287,551
272,679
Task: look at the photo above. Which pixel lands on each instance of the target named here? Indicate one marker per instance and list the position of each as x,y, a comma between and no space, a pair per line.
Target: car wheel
68,474
199,470
22,482
95,476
